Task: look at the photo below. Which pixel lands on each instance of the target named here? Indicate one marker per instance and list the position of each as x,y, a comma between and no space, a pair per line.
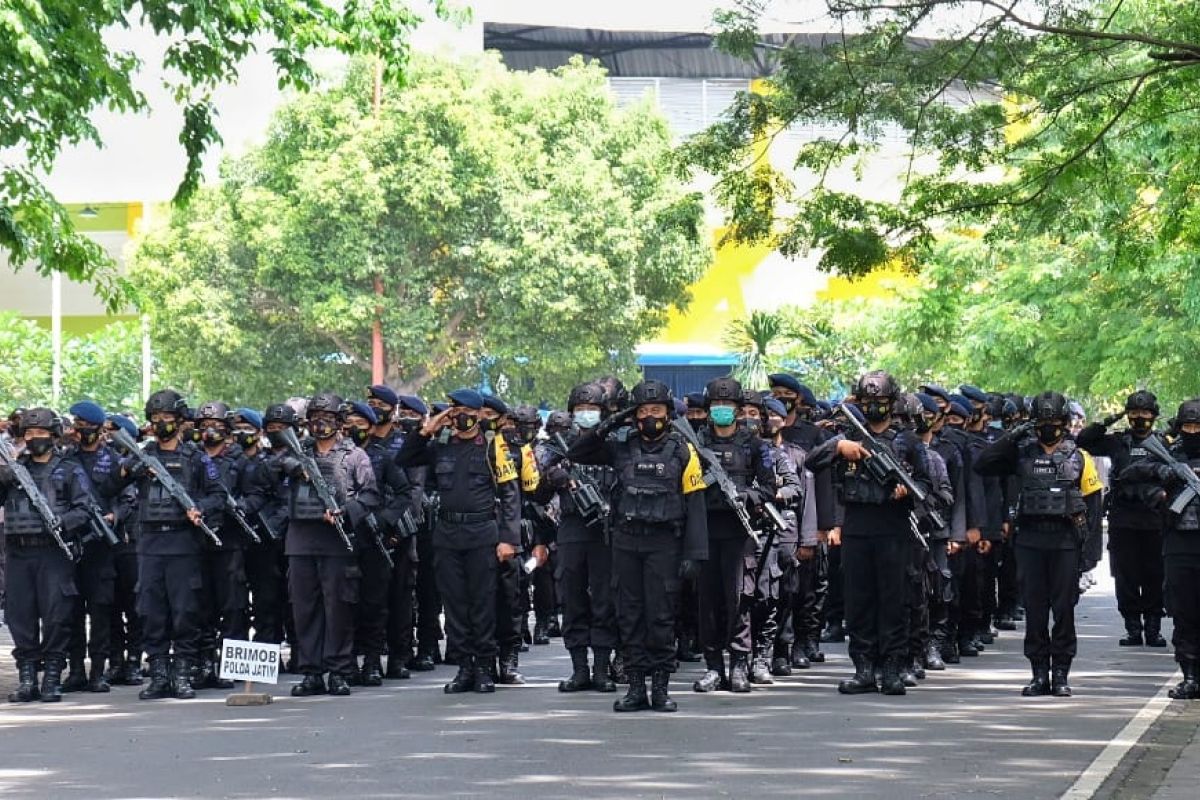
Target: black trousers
91,627
1136,562
917,579
402,601
324,591
466,581
834,610
647,590
1009,594
725,606
429,600
1049,587
874,571
1183,601
169,601
509,612
972,578
126,626
226,598
798,617
940,592
41,596
545,588
371,613
585,577
268,591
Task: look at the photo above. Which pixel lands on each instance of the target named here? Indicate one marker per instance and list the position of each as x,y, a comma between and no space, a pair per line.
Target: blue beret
681,408
249,416
363,410
960,406
824,405
784,381
466,397
383,394
125,424
440,407
413,403
88,411
694,399
495,404
807,398
928,403
773,406
974,394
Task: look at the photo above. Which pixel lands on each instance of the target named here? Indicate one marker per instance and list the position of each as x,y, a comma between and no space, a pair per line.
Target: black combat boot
540,636
1133,633
424,662
27,687
917,667
617,671
553,629
133,672
98,681
1059,684
760,671
714,678
52,687
396,671
1040,685
116,673
1186,689
892,681
339,685
1004,622
739,673
183,689
812,651
214,664
509,674
863,681
968,647
485,683
660,699
1154,637
76,680
834,632
160,681
801,656
933,658
372,671
464,680
684,651
601,681
355,677
781,665
635,698
581,678
950,652
907,676
309,686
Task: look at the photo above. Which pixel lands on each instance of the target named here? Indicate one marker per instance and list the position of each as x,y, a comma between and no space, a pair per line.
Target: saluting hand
434,423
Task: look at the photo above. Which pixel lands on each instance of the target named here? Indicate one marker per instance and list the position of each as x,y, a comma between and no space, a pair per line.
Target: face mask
586,419
789,404
211,437
195,436
276,439
246,439
1189,441
696,424
88,436
876,412
995,424
164,430
651,427
924,423
771,429
40,446
751,424
409,424
486,425
722,416
1140,425
1049,433
464,422
359,436
321,429
512,437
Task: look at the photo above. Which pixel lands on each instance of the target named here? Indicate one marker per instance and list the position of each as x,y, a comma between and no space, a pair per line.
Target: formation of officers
742,528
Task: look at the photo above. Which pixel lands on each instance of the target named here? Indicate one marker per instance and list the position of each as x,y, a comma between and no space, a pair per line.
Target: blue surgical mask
588,418
722,416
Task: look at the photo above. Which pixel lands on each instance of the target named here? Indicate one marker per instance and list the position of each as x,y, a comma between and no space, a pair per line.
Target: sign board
255,662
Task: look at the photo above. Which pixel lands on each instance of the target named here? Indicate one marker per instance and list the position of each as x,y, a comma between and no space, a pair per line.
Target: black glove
752,499
135,469
556,476
689,570
291,467
615,421
6,475
1112,419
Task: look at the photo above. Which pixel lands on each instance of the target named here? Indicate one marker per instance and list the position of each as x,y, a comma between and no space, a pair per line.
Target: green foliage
58,70
509,221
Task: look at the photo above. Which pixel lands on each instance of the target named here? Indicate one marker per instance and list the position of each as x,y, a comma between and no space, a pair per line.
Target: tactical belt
455,517
164,527
29,540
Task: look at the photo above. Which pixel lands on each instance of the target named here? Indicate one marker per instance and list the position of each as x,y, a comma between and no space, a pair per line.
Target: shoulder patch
693,473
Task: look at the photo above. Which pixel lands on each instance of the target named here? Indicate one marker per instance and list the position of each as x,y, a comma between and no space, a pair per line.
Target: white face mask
588,418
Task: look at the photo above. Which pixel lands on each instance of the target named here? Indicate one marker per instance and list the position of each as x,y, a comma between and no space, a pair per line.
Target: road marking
1098,771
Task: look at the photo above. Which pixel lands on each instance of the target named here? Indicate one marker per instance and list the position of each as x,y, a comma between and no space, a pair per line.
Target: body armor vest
1050,482
305,502
20,517
651,483
857,484
155,504
736,457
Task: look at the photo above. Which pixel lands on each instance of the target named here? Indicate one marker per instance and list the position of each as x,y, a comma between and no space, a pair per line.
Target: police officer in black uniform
40,577
126,626
1057,535
1135,530
323,574
170,580
261,496
478,528
876,538
660,534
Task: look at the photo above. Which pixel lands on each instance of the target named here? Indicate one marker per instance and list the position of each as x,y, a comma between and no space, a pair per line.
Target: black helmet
908,407
166,401
41,418
876,385
753,397
214,409
615,395
1189,411
280,412
1142,400
651,391
525,415
722,389
325,401
1048,406
558,422
586,394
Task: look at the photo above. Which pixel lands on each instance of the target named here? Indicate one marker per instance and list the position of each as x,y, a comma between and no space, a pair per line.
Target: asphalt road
964,732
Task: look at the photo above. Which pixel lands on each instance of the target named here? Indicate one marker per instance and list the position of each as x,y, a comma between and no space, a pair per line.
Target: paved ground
965,732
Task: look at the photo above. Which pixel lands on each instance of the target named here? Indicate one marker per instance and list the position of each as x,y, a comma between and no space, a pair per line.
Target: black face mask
322,429
165,430
246,439
513,437
1190,442
194,436
771,430
359,435
696,424
789,404
40,446
409,424
88,436
276,439
211,437
651,427
751,424
1050,433
1140,425
464,422
876,411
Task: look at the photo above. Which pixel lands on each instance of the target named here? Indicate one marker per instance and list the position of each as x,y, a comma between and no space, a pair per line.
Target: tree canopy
518,223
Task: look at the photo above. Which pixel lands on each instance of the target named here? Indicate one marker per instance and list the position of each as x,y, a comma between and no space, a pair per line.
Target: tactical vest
1126,494
155,505
736,456
305,503
464,480
651,483
1050,482
20,517
857,484
1189,520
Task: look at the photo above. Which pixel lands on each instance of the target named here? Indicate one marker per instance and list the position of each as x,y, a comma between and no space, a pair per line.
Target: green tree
753,339
58,70
510,221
